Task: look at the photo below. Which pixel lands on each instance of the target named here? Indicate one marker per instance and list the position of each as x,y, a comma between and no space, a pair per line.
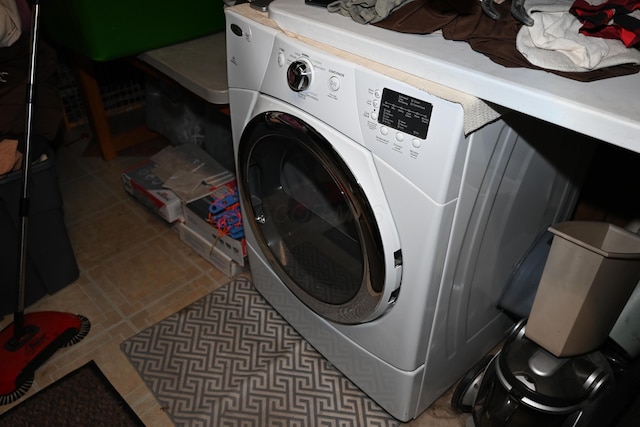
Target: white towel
554,42
10,23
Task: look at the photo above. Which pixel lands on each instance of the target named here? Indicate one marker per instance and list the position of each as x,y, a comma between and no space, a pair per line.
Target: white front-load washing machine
380,231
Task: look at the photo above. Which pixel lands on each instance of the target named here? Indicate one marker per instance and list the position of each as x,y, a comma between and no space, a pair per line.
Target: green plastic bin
104,30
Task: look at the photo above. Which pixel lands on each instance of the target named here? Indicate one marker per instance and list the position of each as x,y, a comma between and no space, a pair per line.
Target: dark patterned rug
84,397
230,359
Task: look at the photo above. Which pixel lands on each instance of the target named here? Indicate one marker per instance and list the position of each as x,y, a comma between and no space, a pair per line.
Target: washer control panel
406,115
417,133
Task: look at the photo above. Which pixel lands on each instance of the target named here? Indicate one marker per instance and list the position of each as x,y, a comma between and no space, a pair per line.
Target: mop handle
26,166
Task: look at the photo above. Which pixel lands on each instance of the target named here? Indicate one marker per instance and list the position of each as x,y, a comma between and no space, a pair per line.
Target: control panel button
384,130
417,143
399,137
334,83
281,59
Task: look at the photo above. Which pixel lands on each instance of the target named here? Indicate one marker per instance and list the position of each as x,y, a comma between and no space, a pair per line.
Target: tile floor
135,271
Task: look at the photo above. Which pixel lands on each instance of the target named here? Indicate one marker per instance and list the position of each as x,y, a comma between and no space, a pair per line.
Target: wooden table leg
109,143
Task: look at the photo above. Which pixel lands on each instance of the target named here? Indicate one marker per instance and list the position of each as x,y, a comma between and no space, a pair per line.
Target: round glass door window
311,219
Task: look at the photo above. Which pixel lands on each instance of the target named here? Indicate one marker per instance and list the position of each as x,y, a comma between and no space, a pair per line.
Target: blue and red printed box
217,219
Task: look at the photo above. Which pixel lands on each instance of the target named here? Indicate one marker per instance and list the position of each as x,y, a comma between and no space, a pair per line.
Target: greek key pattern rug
229,359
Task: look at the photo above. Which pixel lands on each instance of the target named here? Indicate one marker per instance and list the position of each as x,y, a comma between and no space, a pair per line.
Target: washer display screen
405,113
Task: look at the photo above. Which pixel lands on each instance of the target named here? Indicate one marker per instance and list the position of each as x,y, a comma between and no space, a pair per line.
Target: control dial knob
299,74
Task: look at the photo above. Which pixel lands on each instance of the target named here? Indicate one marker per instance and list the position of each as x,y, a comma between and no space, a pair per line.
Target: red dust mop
34,337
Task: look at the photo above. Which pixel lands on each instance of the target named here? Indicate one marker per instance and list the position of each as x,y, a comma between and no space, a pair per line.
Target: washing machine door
314,222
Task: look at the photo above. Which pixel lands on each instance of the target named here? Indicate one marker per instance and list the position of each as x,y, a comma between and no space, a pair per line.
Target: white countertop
200,65
608,109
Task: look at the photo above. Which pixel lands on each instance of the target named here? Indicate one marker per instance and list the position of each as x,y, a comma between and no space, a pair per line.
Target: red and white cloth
609,19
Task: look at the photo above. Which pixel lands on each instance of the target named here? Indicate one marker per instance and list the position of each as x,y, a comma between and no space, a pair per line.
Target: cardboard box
172,176
201,217
218,259
146,187
189,171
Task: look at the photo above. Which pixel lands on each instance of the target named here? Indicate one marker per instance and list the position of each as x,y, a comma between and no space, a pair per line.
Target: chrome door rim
369,295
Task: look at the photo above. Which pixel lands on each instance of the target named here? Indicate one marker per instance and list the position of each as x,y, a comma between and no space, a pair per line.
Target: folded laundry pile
553,43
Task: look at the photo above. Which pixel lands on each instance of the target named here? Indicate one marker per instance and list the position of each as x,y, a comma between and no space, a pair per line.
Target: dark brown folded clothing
464,20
